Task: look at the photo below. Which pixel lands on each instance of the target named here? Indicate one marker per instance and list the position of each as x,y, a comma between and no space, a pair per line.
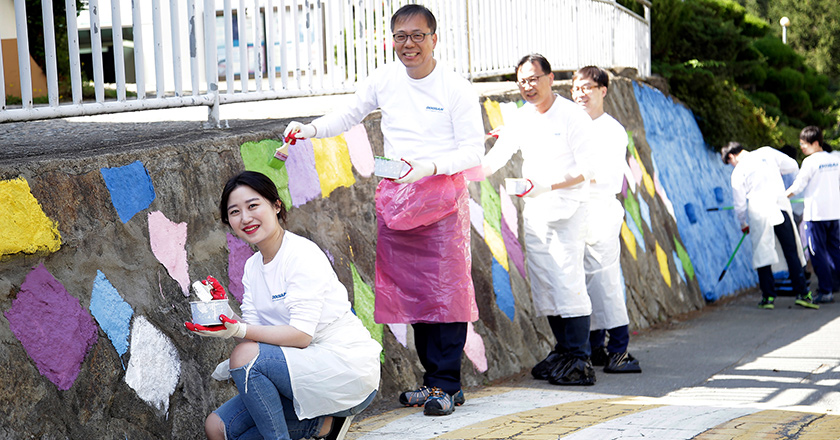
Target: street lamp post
785,22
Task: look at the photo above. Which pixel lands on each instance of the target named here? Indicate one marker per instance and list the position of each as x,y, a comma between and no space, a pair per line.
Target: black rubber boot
599,356
622,363
574,371
544,367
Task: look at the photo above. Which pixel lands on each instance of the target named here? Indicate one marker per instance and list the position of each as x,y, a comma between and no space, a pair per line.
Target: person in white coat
764,212
304,364
602,261
819,183
553,135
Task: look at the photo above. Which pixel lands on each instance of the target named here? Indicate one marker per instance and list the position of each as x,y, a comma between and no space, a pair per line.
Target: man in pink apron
431,119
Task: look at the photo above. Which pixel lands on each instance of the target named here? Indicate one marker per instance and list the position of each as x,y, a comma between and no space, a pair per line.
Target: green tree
813,31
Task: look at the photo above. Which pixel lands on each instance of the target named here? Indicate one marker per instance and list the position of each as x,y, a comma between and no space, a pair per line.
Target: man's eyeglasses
417,37
531,81
585,89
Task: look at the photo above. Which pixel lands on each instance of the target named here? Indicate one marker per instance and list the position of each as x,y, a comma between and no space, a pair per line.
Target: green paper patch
259,157
632,207
363,300
492,206
684,258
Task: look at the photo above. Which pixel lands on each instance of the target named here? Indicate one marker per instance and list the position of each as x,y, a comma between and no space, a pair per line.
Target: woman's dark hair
533,58
258,182
409,11
811,134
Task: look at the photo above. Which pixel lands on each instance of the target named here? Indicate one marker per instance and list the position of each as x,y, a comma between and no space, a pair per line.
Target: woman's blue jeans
264,407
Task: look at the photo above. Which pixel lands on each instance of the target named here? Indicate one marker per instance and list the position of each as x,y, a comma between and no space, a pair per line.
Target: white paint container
389,168
516,186
207,312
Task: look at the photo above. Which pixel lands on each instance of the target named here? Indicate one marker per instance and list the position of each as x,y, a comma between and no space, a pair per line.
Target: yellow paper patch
663,264
332,161
647,181
629,239
23,225
494,241
494,113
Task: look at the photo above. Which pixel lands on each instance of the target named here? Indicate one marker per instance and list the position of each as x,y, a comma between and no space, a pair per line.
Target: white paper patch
154,367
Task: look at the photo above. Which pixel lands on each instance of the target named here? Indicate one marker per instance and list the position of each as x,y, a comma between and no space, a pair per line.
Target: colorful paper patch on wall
168,240
477,217
685,260
514,249
363,301
662,257
629,239
23,225
111,312
634,229
332,160
680,269
504,294
53,327
474,349
304,183
631,206
509,215
635,169
238,253
361,153
644,210
400,332
663,196
646,179
492,205
494,113
496,243
130,187
154,367
258,155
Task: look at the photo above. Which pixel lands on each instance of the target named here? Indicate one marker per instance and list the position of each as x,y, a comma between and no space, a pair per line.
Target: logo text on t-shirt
278,297
432,108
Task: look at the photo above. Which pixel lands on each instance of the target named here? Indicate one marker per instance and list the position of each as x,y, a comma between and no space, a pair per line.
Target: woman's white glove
297,130
419,169
536,189
231,328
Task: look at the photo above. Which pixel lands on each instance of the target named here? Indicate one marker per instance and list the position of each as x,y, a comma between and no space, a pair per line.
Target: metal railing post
211,64
23,54
49,52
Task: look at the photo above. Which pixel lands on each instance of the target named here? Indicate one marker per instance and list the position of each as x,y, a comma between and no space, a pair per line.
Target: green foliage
727,62
814,27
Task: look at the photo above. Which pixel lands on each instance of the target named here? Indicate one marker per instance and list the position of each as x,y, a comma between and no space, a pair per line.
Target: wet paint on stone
238,254
53,327
130,187
111,312
168,240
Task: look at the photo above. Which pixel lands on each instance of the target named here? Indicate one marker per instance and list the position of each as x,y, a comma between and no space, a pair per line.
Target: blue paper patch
131,189
501,286
645,210
111,312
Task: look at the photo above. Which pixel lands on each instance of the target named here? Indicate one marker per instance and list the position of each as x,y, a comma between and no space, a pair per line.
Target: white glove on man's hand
419,169
297,130
536,189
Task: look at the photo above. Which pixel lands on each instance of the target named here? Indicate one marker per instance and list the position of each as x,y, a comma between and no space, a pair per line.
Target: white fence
205,52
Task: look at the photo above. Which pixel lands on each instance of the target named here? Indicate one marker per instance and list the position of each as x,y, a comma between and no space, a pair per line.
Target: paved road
730,372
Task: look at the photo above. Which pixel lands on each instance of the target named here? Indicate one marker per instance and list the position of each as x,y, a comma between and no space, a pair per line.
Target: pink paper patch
239,252
400,332
361,153
52,326
636,169
474,349
168,240
477,217
509,215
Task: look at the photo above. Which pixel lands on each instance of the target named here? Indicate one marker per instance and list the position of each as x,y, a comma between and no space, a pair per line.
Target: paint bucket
207,312
690,213
388,168
719,195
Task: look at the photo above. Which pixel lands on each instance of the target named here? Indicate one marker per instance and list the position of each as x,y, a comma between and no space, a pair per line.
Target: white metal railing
205,52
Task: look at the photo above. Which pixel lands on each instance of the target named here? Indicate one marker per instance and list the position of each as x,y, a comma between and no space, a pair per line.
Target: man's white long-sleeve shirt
436,118
758,175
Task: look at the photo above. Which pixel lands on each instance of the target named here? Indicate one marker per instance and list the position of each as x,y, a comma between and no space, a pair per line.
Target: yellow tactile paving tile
548,422
776,425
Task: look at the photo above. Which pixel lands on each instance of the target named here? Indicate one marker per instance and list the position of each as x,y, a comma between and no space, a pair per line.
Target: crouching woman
304,363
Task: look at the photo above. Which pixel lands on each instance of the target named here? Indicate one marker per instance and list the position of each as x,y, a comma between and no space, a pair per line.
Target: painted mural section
695,179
